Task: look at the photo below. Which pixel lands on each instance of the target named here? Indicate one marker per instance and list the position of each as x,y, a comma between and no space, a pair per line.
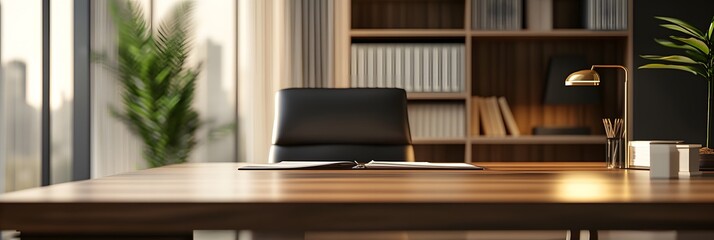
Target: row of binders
415,67
606,14
493,116
497,14
437,120
508,14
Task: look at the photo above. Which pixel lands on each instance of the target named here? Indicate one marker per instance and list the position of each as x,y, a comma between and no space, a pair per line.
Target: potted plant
696,46
158,86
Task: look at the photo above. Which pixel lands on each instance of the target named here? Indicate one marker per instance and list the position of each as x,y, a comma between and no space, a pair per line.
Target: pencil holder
614,153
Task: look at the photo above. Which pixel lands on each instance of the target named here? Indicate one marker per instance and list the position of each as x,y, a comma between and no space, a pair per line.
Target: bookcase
464,49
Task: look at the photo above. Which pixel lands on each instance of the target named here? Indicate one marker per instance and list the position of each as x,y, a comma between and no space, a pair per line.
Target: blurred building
19,130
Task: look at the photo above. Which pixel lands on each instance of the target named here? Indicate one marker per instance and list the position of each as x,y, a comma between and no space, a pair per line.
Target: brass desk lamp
592,78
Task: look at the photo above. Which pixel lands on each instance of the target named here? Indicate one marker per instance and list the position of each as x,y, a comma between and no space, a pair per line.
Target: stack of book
411,66
606,14
437,120
497,14
493,116
640,152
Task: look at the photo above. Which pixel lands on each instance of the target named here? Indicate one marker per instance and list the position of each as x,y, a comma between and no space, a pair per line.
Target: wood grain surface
507,196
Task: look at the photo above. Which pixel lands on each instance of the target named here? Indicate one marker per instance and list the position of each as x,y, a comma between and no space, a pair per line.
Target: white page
391,165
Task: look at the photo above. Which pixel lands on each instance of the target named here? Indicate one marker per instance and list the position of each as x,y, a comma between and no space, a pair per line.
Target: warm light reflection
268,185
582,187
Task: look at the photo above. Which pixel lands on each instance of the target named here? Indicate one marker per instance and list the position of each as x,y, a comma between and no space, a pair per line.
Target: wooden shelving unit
542,139
510,63
576,33
407,32
436,96
439,141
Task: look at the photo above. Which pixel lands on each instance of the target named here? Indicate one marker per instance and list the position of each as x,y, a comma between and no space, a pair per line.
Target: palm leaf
688,27
671,58
670,44
682,30
697,56
690,69
711,29
172,36
158,86
695,43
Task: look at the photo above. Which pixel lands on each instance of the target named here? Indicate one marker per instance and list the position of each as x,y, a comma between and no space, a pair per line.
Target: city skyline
19,130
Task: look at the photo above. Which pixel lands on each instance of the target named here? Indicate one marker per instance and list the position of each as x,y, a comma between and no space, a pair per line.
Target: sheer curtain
114,148
261,71
281,43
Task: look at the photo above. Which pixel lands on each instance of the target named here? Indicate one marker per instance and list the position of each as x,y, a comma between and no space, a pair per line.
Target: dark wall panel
668,104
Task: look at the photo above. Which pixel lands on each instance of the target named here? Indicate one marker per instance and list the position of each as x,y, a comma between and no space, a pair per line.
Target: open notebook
286,165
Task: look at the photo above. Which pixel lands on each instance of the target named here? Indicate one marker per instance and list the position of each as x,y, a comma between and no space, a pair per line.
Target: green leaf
696,43
671,58
711,29
682,30
670,44
697,56
690,69
158,87
691,29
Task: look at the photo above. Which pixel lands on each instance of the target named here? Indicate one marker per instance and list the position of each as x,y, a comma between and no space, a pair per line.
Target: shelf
438,140
408,33
552,33
436,96
564,139
405,33
509,63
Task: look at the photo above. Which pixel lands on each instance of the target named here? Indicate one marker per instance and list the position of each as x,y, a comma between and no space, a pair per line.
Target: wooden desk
207,196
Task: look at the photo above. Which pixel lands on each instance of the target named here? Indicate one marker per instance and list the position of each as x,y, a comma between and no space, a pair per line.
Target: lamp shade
583,78
557,93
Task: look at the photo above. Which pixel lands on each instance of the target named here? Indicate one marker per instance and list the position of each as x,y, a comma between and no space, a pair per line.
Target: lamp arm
612,66
624,115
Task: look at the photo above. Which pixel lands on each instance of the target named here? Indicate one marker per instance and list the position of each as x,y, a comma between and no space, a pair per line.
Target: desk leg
118,236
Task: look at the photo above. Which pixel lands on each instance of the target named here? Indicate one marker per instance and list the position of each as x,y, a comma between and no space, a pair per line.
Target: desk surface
507,196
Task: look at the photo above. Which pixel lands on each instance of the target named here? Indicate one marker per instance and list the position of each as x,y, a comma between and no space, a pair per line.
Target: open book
286,165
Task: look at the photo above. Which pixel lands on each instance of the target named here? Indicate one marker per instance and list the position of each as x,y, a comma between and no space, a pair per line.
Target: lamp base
561,131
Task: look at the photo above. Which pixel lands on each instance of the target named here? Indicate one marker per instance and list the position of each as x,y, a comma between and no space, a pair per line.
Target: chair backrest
341,124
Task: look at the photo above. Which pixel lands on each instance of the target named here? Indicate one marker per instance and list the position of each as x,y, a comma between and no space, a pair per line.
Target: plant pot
706,161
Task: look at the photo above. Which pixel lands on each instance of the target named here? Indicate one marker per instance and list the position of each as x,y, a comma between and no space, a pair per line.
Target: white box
664,160
689,159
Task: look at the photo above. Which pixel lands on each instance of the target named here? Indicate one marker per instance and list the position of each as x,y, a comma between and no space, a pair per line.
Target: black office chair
321,124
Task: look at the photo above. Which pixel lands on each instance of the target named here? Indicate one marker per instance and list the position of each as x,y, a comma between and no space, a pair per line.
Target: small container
664,160
689,160
614,153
